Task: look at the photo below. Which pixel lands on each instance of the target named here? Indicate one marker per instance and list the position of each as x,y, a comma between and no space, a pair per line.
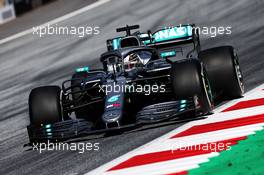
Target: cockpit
127,59
137,59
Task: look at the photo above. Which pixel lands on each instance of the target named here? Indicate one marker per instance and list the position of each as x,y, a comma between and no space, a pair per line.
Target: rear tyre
222,66
44,105
189,80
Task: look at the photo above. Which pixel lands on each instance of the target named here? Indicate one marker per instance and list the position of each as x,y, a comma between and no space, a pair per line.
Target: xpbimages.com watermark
211,31
80,31
131,88
211,147
60,146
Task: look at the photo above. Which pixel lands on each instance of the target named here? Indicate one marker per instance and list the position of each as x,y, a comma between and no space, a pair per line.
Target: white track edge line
56,20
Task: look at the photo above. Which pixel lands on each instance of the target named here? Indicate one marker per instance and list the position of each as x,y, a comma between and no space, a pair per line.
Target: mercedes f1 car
146,78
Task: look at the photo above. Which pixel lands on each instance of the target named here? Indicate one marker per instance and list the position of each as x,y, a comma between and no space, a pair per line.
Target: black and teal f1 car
146,78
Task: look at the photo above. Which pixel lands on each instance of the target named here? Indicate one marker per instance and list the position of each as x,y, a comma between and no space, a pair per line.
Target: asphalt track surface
30,61
40,15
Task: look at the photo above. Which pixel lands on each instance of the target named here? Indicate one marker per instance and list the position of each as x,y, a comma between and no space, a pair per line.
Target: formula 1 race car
146,78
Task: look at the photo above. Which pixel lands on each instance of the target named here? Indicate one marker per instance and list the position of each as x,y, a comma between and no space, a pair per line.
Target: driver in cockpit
137,59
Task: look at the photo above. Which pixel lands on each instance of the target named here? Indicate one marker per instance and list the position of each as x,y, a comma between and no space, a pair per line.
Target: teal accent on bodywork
168,54
172,33
183,101
146,42
183,105
168,34
144,35
113,98
82,69
116,43
48,126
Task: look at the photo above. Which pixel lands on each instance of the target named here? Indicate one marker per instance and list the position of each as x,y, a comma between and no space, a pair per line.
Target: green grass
245,158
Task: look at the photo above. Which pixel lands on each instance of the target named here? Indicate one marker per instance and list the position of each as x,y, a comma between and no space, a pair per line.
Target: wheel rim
239,75
207,88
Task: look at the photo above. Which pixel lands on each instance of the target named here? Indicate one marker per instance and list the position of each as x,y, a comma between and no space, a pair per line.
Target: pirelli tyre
222,66
44,105
189,79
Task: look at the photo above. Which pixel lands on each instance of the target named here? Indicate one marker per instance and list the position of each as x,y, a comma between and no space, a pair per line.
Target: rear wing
176,43
172,35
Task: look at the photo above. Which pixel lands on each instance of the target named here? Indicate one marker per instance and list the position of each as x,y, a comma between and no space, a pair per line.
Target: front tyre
189,79
44,105
222,66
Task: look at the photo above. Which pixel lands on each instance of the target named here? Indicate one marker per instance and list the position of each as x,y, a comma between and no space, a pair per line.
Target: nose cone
111,116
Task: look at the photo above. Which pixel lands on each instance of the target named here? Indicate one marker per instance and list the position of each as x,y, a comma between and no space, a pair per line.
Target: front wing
174,111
